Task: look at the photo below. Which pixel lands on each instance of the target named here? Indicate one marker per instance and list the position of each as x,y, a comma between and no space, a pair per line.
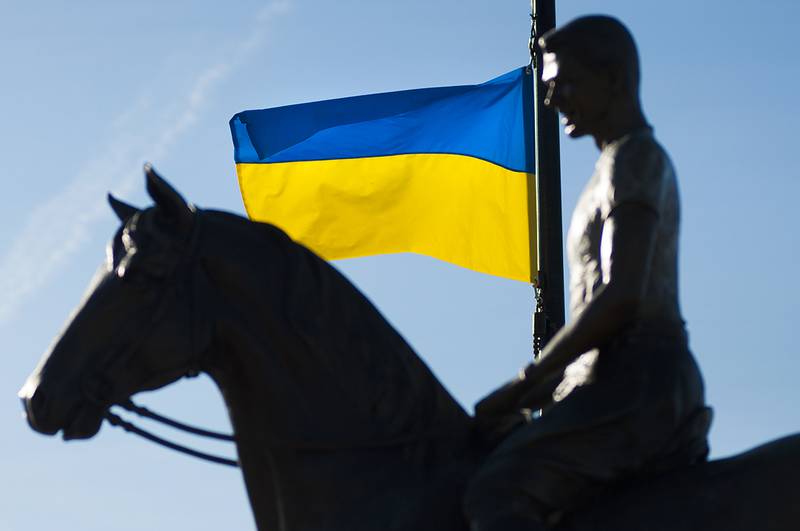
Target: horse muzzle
48,415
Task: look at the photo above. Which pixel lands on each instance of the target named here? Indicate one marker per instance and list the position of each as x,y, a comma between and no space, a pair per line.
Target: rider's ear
166,198
123,210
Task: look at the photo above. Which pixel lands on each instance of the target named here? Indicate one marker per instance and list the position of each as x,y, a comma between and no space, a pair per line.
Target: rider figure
624,392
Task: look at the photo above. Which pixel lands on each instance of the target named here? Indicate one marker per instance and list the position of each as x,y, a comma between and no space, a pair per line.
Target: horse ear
166,198
123,210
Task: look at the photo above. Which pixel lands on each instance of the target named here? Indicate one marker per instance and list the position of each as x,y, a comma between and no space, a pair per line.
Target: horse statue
338,424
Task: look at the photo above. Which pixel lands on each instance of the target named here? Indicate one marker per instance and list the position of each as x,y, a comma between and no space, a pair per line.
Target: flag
445,172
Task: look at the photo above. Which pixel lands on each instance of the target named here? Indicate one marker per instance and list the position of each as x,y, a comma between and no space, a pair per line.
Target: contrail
57,228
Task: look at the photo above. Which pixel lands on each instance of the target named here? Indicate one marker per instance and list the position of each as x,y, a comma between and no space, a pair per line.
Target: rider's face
581,95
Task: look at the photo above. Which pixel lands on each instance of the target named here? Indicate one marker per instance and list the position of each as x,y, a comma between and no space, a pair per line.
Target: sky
92,89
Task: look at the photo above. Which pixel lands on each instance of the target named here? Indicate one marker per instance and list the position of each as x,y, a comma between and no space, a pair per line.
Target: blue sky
93,89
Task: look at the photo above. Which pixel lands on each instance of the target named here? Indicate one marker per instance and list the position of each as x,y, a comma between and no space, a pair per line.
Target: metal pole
548,187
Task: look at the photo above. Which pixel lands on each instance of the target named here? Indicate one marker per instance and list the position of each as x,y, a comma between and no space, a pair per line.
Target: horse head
133,330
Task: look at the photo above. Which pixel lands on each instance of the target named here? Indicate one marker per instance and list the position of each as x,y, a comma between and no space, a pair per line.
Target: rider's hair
600,43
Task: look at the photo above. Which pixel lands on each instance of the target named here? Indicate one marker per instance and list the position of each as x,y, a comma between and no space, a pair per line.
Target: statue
622,390
338,424
282,334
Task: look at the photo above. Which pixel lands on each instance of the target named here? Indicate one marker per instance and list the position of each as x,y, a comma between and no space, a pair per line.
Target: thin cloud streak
57,228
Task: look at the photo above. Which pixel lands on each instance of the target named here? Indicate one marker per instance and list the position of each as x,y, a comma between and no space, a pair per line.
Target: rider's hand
531,389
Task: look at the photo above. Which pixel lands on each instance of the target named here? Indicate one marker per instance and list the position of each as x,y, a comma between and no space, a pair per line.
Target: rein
129,427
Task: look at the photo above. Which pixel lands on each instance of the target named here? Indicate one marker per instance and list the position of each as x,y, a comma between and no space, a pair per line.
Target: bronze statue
340,426
628,394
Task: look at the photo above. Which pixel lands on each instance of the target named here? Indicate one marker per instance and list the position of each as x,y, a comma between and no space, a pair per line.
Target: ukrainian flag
445,172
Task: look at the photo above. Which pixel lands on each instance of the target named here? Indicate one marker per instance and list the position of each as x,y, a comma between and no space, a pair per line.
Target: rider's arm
626,250
631,205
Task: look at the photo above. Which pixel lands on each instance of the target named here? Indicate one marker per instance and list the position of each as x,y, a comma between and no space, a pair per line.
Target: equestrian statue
340,426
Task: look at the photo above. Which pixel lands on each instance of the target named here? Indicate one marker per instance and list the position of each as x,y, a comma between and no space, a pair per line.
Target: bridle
90,388
129,427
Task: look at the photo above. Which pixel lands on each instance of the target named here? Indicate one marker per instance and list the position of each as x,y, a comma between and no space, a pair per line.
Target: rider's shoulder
636,146
638,155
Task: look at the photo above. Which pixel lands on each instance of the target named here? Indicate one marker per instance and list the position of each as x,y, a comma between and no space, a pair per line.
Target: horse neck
305,362
256,352
249,346
238,368
289,332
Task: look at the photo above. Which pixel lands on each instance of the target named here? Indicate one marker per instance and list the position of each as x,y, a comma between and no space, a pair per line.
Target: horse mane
231,218
249,243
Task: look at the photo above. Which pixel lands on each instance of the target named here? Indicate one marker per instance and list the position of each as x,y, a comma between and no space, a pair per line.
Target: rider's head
591,68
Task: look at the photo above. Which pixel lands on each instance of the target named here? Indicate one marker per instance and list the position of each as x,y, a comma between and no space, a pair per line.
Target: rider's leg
542,469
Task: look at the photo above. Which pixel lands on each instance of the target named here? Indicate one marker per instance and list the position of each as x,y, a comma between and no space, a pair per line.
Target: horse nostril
37,403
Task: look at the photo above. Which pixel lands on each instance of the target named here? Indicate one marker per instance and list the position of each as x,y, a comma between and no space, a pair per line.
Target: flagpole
549,282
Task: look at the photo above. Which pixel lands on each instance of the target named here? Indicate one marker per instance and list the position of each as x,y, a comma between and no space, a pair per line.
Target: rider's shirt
632,169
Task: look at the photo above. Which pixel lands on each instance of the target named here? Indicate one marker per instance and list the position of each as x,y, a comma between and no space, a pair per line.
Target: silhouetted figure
622,392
